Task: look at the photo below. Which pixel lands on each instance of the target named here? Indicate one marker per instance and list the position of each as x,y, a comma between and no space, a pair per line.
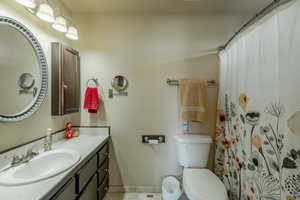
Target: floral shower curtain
258,128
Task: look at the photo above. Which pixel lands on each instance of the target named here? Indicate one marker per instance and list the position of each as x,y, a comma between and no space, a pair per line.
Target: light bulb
60,24
27,3
45,12
72,33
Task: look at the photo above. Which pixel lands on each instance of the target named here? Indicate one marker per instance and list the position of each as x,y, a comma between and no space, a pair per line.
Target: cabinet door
71,79
90,192
65,80
103,154
67,192
84,175
102,172
103,188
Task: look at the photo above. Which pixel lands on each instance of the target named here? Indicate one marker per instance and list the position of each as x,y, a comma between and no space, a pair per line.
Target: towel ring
94,80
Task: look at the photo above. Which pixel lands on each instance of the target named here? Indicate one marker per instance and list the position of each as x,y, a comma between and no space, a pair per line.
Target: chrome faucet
17,160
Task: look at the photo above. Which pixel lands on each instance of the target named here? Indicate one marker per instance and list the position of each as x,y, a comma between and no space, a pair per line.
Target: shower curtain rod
272,6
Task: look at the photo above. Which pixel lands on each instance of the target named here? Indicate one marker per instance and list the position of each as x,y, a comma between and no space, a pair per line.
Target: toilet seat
202,184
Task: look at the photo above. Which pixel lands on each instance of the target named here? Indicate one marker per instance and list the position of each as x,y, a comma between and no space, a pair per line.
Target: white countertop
85,144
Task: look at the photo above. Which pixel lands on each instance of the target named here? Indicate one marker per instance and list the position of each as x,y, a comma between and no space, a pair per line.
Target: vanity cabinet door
103,154
90,192
67,192
85,173
103,188
103,171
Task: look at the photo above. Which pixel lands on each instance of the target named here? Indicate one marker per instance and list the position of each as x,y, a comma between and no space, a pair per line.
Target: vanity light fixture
72,33
45,12
27,3
60,24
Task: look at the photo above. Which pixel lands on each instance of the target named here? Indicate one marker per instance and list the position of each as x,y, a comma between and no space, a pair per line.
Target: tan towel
193,97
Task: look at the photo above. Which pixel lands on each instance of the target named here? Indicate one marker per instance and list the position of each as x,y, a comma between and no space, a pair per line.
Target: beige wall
147,50
16,133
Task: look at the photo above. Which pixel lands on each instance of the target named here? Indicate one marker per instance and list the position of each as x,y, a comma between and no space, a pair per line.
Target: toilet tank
193,150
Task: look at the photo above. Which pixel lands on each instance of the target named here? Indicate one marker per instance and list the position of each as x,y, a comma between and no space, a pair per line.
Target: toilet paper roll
153,141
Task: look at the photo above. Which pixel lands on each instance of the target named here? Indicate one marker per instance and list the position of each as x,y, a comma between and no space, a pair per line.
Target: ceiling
166,6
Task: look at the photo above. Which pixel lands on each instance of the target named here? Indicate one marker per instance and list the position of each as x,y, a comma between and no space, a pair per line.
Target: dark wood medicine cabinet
65,79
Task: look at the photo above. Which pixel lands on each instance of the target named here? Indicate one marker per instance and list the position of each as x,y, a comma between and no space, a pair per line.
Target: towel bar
211,83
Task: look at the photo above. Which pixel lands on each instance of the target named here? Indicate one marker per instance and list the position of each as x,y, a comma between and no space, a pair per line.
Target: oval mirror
119,83
23,72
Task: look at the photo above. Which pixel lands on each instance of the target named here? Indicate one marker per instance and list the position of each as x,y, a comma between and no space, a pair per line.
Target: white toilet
198,183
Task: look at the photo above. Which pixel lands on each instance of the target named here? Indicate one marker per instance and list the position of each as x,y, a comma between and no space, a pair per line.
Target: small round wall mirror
119,83
26,81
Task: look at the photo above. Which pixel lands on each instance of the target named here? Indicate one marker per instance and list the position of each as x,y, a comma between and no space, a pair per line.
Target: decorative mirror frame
42,92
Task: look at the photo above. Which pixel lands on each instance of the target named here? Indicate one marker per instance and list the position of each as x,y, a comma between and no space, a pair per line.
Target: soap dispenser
48,140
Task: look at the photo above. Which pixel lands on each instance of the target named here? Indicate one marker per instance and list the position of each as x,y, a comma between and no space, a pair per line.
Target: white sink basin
44,166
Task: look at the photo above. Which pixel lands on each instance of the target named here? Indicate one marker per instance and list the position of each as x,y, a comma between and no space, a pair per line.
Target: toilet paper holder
153,139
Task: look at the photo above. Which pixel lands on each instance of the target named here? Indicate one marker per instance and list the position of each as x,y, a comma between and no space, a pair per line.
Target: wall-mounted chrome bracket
111,93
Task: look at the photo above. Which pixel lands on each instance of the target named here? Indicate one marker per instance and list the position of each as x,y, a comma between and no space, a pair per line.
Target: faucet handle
30,153
31,148
15,160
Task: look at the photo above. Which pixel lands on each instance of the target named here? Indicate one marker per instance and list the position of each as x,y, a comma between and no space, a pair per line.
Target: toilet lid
202,184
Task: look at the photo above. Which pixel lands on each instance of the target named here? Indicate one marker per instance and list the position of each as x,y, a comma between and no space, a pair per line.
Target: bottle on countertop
68,130
48,140
185,127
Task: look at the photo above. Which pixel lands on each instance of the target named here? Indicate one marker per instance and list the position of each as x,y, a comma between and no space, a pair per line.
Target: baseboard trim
116,189
142,189
137,189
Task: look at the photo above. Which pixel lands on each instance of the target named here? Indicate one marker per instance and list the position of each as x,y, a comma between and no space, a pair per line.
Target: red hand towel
91,100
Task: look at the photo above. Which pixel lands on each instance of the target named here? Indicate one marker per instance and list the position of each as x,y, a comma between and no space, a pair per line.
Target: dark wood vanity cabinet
65,80
90,182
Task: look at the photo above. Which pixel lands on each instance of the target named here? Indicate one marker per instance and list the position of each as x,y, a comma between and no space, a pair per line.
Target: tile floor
135,196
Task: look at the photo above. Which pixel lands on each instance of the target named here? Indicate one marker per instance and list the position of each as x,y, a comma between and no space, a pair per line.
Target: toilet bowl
202,184
198,183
